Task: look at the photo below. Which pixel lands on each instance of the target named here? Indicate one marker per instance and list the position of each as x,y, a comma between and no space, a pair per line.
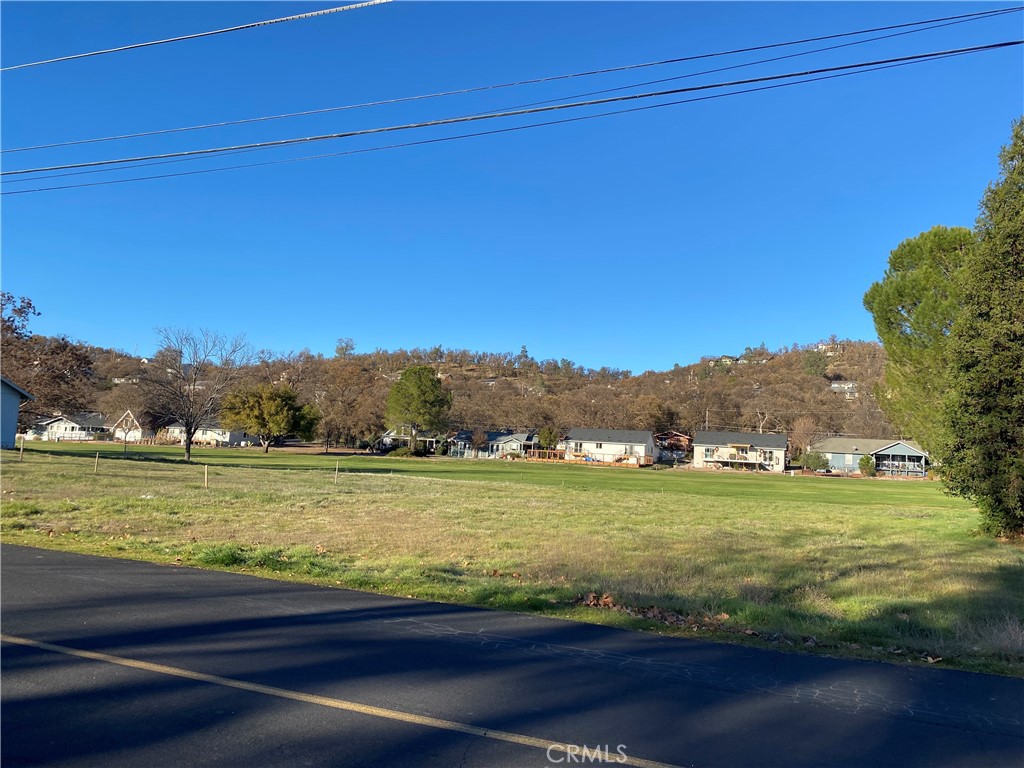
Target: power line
462,136
515,113
296,17
305,113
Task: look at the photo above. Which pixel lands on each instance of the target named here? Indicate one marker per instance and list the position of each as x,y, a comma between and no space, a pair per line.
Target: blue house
11,397
896,458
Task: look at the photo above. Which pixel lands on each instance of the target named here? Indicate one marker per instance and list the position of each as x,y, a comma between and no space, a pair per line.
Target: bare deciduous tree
191,374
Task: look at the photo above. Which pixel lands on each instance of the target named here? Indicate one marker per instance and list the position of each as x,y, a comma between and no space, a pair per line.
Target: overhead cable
268,22
469,135
959,18
515,113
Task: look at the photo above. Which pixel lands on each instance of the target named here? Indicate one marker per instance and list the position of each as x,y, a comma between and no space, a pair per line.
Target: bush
867,466
814,460
405,451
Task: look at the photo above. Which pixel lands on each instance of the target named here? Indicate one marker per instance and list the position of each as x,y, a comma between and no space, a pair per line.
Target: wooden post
336,472
96,466
206,475
21,453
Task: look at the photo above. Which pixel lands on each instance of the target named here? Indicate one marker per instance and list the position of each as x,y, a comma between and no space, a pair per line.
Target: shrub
867,466
814,460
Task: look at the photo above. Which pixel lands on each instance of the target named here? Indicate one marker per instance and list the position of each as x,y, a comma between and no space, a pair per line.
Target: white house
11,397
211,434
613,446
740,450
76,426
499,444
896,458
127,429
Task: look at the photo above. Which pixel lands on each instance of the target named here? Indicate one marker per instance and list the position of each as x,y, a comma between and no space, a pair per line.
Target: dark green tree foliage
549,437
269,412
815,461
983,455
419,401
914,307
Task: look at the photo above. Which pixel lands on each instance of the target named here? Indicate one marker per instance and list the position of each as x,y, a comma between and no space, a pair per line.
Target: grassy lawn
872,568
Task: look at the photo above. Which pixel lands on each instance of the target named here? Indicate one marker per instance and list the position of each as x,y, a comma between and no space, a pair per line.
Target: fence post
96,466
21,453
206,475
336,472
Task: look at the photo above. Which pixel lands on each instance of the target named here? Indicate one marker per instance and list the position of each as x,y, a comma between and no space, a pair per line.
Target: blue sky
634,241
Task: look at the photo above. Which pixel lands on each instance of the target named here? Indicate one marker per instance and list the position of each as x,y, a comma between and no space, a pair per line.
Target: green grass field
871,568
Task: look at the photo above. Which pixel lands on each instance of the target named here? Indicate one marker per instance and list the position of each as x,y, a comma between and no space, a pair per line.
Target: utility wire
515,113
473,135
517,106
296,17
960,18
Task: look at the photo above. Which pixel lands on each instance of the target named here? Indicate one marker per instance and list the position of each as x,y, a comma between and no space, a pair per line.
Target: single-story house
499,443
740,450
897,458
11,398
212,434
76,426
613,446
127,429
393,438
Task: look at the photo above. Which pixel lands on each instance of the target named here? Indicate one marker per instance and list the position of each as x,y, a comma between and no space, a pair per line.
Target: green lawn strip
824,564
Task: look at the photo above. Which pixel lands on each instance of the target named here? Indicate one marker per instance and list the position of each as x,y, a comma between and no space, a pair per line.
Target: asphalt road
118,663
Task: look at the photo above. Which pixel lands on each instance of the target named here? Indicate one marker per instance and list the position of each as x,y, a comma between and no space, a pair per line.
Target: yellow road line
568,750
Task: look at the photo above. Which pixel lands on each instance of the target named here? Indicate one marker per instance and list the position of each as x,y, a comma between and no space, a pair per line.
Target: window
577,447
709,452
599,445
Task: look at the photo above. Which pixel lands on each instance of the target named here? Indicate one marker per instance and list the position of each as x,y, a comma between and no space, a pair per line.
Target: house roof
861,445
628,436
79,419
24,395
741,438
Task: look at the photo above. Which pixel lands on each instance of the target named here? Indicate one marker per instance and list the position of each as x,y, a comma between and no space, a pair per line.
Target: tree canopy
419,401
983,453
914,307
190,375
269,412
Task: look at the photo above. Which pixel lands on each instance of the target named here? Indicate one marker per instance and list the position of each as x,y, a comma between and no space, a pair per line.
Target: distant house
127,429
740,450
896,458
212,434
500,443
11,398
76,426
846,388
677,442
612,446
393,438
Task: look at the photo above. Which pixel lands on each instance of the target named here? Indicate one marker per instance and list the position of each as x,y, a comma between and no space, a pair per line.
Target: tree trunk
266,444
188,448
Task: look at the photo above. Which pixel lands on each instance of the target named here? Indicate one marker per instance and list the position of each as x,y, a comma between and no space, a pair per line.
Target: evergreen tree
983,455
914,307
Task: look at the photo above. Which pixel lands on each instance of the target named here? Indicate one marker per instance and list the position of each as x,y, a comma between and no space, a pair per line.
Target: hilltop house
740,450
896,458
612,446
11,397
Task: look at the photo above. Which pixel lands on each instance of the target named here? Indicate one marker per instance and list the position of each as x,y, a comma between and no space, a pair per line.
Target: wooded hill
826,388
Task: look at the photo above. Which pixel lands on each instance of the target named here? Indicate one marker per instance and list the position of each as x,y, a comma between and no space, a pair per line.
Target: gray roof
863,445
741,438
629,436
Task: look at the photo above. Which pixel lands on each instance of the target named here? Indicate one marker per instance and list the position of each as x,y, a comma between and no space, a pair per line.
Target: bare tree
191,374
